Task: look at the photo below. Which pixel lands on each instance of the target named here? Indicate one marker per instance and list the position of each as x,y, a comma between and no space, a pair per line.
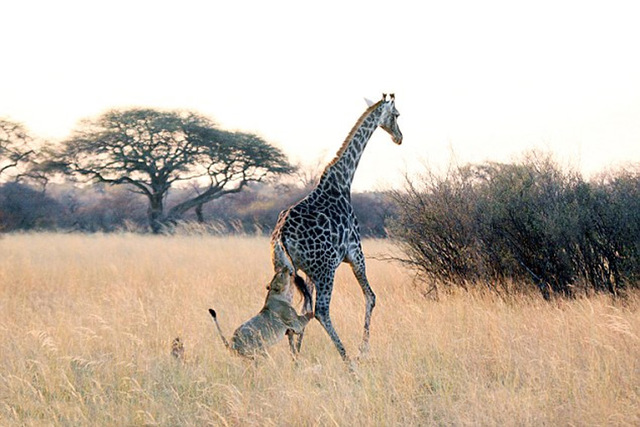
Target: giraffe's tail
282,260
306,293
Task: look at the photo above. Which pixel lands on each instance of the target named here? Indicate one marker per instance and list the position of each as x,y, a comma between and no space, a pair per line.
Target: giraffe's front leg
359,270
370,298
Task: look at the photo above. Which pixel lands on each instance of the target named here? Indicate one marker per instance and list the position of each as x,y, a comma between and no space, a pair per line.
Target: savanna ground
87,323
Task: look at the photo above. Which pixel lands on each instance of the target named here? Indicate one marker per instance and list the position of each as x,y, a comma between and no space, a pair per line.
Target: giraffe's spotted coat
321,231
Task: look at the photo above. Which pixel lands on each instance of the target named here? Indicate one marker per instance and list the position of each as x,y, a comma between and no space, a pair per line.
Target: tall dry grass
87,322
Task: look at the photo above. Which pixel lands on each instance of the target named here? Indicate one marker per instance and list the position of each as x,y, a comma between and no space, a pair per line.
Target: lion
276,319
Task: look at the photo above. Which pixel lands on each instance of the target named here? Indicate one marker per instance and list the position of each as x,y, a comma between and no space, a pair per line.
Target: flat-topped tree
151,151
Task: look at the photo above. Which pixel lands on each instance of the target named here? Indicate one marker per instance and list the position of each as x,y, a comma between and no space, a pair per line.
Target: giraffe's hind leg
359,270
323,299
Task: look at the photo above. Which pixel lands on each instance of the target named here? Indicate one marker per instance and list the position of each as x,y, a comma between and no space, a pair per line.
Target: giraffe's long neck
340,172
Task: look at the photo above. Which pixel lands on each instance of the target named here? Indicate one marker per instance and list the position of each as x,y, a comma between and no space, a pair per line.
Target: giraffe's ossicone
321,231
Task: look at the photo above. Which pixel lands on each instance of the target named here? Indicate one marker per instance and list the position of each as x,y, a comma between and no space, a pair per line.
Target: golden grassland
87,323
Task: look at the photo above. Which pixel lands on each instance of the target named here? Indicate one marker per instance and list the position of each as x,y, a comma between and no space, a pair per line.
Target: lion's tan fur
271,324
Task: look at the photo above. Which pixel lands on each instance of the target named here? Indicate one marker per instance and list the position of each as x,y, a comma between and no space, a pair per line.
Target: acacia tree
14,145
151,151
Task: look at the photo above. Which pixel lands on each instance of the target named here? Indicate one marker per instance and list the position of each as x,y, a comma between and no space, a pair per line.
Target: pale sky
484,80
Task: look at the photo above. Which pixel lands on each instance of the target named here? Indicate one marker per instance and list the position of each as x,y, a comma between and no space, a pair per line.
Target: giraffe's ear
369,102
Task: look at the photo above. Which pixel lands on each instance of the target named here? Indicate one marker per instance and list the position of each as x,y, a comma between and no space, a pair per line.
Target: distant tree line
525,223
105,208
145,169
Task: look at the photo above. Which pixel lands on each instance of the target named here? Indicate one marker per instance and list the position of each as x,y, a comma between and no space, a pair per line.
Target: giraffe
321,231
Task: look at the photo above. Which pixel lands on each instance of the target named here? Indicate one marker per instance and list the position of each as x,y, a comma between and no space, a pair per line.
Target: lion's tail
212,312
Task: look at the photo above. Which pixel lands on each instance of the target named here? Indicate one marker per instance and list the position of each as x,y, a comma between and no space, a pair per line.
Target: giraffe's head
389,118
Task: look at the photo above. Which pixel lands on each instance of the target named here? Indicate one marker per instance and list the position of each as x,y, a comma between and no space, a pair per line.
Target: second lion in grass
276,319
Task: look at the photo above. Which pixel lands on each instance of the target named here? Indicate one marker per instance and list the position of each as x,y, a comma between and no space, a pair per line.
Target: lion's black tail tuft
212,312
